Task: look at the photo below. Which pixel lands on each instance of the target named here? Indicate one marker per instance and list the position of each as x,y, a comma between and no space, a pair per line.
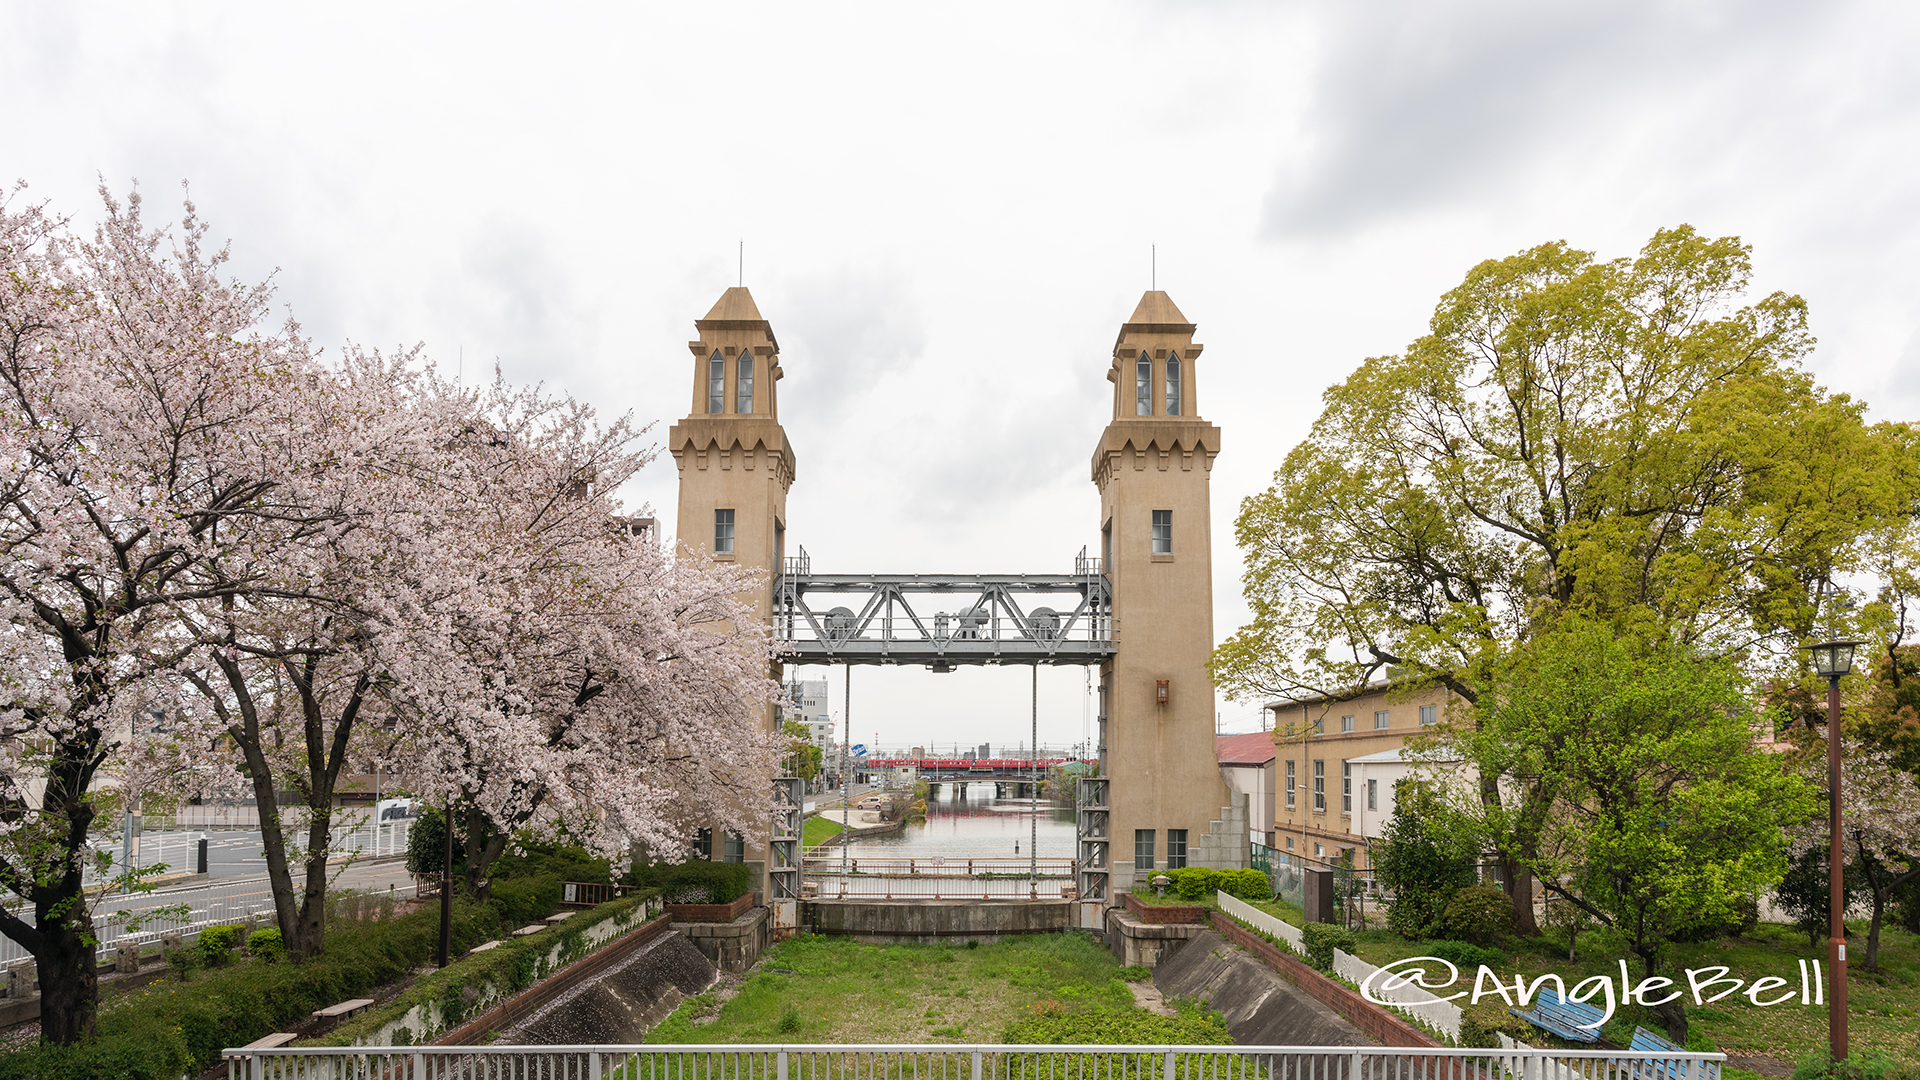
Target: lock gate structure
1140,610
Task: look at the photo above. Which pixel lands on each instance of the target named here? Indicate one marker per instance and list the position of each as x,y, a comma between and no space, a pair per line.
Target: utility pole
1033,768
846,779
446,891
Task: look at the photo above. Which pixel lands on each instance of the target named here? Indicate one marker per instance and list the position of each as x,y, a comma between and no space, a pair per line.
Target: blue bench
1555,1014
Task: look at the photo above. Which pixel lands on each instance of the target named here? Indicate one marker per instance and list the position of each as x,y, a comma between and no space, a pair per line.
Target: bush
183,961
1482,1025
1189,1026
1819,1066
1320,939
701,882
216,942
129,1048
1420,862
1200,883
1479,914
1462,955
266,945
1246,884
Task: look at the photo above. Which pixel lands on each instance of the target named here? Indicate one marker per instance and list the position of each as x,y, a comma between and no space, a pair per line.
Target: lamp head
1833,659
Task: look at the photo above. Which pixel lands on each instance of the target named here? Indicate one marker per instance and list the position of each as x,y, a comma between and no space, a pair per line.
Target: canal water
976,825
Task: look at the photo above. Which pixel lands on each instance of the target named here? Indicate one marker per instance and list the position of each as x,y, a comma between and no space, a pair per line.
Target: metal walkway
942,620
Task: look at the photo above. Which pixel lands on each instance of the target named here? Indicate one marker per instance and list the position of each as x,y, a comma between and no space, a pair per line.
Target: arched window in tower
716,384
743,384
1173,384
1143,385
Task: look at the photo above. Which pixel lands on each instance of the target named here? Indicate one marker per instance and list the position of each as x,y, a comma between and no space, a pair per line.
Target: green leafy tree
1627,440
1420,861
1660,801
804,759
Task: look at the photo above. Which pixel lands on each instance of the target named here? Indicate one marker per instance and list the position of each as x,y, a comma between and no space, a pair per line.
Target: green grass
817,989
1883,1007
818,830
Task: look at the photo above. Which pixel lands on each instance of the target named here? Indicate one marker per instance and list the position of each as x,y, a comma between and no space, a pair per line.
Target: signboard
859,749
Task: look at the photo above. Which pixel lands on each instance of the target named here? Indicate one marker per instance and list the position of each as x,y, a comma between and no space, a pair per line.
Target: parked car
871,802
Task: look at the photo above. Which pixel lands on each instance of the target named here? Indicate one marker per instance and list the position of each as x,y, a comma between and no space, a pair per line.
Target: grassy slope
818,829
847,992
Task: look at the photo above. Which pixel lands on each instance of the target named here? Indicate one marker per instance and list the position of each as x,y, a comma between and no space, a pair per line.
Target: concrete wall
886,921
731,946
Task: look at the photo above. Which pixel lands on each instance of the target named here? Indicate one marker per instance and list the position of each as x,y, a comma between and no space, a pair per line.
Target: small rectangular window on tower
716,384
1173,384
1163,532
743,384
723,532
1176,848
1143,385
1143,849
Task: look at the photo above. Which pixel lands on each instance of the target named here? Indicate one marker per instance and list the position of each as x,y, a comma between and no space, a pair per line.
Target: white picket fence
1261,920
1443,1016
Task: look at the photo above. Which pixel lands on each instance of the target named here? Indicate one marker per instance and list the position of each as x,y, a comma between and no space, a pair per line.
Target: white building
1374,777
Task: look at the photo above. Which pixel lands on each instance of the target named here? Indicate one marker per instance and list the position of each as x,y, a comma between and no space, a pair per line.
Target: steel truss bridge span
943,620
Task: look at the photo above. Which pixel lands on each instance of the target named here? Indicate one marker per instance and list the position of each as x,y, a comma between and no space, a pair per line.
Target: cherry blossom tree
132,376
579,681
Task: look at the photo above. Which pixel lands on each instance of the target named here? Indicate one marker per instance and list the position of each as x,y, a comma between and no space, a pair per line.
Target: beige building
736,465
1336,760
1170,807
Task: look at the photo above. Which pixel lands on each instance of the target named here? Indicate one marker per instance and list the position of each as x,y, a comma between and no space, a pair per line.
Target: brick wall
1377,1023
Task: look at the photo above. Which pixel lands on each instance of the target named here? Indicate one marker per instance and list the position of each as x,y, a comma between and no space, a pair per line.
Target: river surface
978,825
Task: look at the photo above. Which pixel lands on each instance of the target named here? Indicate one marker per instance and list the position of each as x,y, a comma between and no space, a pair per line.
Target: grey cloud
513,299
1419,105
841,332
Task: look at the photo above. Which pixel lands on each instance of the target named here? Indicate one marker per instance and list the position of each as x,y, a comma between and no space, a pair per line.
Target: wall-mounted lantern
1160,692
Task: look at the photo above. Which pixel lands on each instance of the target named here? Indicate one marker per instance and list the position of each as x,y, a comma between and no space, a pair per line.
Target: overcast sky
948,210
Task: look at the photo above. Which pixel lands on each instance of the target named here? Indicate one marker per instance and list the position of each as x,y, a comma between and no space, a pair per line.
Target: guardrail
960,1062
932,878
213,904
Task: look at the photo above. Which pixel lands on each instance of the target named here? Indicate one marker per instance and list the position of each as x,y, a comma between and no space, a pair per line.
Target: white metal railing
960,1062
213,904
934,877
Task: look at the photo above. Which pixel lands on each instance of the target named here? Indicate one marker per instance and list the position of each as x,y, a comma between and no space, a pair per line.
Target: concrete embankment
622,1003
1260,1007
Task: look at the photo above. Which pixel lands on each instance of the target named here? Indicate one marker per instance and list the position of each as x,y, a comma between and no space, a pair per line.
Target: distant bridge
963,770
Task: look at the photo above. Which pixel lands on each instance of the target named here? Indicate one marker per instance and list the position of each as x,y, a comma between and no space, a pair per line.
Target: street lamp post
1834,659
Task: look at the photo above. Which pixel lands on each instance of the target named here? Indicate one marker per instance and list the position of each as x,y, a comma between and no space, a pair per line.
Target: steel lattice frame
943,619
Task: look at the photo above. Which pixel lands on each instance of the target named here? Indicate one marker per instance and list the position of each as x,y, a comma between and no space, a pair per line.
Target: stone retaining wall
930,921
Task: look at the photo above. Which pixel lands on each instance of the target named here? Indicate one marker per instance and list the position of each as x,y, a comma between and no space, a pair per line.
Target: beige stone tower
735,464
1168,800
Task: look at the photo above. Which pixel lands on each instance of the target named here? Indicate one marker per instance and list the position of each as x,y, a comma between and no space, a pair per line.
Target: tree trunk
1672,1014
1520,892
481,857
66,966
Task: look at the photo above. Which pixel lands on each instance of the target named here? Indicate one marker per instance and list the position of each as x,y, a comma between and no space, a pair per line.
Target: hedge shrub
266,945
1200,883
215,943
1479,914
512,966
1462,955
1320,939
1188,1026
701,882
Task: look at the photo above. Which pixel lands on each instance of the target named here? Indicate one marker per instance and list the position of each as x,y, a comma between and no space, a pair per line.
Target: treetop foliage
1627,440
